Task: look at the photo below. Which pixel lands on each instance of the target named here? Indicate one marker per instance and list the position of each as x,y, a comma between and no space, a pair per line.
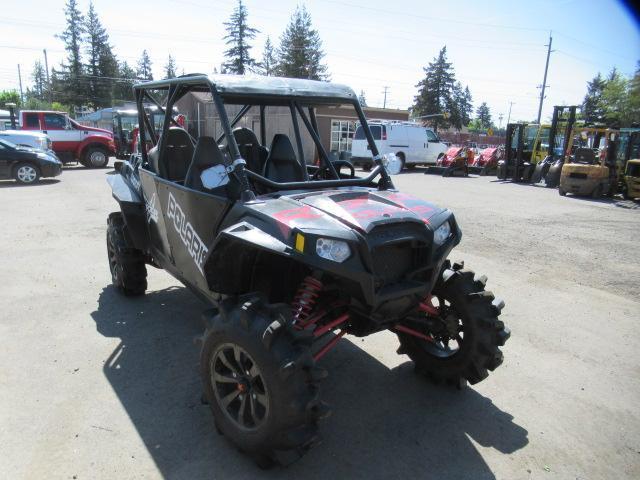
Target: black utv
290,256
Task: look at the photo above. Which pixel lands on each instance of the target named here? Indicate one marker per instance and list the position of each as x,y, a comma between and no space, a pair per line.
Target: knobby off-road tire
478,353
272,361
126,263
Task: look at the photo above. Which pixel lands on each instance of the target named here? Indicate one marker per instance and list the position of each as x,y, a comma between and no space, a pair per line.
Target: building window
341,135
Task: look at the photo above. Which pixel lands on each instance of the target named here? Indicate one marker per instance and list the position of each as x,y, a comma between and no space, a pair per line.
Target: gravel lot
94,385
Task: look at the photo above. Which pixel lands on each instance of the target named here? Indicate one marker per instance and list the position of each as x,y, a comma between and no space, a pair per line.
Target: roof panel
258,85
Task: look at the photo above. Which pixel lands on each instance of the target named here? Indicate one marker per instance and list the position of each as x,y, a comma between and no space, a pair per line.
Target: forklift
522,149
629,163
591,167
549,169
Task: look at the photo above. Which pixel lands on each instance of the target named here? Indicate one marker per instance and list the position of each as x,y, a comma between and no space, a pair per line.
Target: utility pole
386,89
509,117
544,81
46,68
20,82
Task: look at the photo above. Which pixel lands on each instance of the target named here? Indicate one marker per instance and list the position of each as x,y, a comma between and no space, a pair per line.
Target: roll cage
297,95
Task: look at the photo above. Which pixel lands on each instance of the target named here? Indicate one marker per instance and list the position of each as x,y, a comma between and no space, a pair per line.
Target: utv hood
358,209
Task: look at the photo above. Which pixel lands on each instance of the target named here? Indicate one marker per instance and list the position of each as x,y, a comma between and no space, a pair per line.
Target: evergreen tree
268,58
123,90
39,77
144,67
592,103
484,115
239,33
71,87
170,68
362,99
102,66
300,53
459,106
436,89
634,97
615,100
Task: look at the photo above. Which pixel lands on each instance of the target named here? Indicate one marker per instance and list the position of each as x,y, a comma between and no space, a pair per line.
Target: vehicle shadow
386,423
42,182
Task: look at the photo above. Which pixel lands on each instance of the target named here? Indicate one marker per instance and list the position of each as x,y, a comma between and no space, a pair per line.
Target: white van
411,142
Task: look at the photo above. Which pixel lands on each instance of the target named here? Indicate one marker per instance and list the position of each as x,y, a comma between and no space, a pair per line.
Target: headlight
442,233
335,250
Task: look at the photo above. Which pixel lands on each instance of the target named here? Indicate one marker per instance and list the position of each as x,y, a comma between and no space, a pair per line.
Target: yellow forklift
629,161
548,169
524,148
590,168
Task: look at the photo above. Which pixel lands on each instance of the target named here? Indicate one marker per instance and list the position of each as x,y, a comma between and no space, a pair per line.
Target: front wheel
126,263
260,380
26,173
95,157
461,335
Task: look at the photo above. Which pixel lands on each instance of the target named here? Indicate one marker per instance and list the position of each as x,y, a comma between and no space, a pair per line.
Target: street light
12,113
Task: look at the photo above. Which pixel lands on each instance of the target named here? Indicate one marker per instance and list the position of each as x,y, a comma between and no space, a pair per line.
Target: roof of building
257,86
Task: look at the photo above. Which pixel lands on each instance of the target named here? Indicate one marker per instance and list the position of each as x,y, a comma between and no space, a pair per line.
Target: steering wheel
323,172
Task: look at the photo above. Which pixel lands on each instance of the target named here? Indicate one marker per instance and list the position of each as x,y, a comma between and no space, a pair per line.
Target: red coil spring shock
305,299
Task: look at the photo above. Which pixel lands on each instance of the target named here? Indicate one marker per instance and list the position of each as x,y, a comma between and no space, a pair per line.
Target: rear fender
228,267
133,210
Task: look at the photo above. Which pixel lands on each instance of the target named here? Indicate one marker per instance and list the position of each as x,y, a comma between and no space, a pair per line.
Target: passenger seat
281,165
177,154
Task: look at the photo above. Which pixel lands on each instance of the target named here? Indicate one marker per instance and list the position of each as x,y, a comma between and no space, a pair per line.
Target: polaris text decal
196,247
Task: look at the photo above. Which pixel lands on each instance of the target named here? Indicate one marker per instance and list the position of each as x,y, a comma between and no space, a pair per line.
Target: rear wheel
401,157
562,192
26,173
465,334
126,263
260,380
95,157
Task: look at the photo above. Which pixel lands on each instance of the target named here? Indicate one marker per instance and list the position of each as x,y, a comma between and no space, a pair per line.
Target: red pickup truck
71,141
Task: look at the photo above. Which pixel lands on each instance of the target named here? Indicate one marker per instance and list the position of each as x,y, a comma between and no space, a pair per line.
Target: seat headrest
245,136
178,137
281,148
207,153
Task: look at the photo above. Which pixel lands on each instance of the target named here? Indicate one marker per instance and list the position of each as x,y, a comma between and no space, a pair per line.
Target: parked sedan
27,165
25,138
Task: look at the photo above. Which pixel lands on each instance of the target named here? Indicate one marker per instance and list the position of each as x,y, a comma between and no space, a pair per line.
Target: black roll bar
349,182
316,140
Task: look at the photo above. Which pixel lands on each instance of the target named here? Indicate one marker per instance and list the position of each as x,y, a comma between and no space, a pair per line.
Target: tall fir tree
592,107
269,61
170,68
484,115
102,66
435,91
144,67
239,34
124,87
634,97
71,87
459,106
39,78
300,52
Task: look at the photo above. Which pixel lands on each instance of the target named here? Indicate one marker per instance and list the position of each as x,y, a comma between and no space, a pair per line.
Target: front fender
133,210
97,141
228,266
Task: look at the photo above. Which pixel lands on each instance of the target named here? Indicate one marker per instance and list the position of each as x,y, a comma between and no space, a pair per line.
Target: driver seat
177,155
254,154
281,165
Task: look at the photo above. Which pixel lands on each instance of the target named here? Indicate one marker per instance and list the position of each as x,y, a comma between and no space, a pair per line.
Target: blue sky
497,47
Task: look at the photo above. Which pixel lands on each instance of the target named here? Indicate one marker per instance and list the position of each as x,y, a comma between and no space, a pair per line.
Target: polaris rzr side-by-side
290,256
